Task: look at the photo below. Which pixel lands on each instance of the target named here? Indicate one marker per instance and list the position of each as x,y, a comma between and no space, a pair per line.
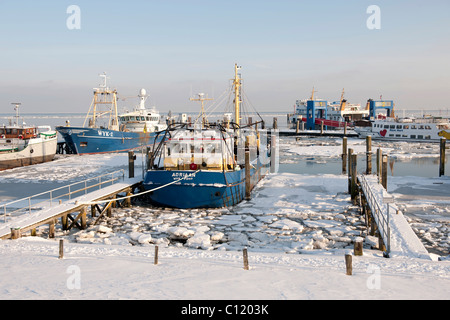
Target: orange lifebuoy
21,137
3,136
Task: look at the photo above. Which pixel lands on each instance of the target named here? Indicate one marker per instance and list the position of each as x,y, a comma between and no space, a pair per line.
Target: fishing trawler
208,165
23,145
104,131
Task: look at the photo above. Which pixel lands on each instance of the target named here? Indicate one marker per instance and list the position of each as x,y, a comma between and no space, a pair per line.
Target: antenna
16,108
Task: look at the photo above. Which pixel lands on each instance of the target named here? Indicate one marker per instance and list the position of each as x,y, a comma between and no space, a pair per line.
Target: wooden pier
74,212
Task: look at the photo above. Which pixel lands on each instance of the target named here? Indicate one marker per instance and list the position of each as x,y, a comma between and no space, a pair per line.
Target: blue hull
92,140
203,189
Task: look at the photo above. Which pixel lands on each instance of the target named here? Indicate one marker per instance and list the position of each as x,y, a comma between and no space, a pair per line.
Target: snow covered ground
297,228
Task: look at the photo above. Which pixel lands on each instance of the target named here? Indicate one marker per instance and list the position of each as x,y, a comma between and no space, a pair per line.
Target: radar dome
143,92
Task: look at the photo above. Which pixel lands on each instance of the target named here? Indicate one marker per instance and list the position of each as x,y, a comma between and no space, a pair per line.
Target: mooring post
384,170
345,128
349,155
83,218
275,123
131,158
358,247
298,126
61,249
156,255
273,153
344,155
348,264
248,186
321,127
51,229
245,256
379,157
354,185
369,155
15,233
442,157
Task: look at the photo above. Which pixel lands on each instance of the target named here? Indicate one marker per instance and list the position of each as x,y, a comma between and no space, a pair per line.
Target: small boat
104,131
207,165
23,145
427,129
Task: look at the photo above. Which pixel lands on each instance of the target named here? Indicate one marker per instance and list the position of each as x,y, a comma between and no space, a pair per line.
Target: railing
380,214
35,202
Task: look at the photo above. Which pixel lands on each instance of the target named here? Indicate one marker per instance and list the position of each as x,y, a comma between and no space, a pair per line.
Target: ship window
428,137
420,136
421,127
398,135
392,126
391,135
399,126
428,127
413,136
83,144
404,136
406,126
147,118
386,126
142,118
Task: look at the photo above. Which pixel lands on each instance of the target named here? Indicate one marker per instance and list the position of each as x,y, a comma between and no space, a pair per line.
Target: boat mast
237,90
16,108
202,101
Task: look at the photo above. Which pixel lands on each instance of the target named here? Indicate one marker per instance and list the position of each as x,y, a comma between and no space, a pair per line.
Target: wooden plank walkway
49,215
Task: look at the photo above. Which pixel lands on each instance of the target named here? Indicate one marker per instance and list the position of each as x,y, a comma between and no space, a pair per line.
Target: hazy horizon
175,49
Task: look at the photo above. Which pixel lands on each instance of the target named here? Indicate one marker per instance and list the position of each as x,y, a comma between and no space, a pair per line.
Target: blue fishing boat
104,131
208,165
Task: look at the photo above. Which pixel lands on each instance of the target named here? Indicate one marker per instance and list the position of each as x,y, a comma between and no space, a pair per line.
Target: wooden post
131,158
354,175
442,157
321,127
384,170
344,155
298,126
33,232
275,123
379,157
358,248
245,259
15,233
348,264
248,186
349,155
381,245
83,218
273,154
369,155
64,222
156,255
61,248
51,229
345,128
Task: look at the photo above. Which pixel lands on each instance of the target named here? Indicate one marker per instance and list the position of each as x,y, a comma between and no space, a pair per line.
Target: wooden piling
349,166
131,158
297,129
379,157
384,171
442,157
358,248
321,127
344,155
348,264
354,177
248,185
275,123
15,233
245,256
156,255
61,249
83,218
369,155
51,229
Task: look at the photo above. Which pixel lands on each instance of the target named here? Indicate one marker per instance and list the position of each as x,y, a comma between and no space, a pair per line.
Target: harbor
219,157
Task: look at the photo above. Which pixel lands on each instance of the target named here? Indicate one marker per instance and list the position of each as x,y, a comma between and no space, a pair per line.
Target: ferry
105,131
204,165
337,112
24,145
427,129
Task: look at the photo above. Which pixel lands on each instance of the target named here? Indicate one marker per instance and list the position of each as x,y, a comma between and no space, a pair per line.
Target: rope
141,193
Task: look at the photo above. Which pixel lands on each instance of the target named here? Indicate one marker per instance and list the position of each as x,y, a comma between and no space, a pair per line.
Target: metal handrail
114,176
377,211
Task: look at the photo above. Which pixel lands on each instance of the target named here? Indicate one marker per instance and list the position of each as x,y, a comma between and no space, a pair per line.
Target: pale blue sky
168,47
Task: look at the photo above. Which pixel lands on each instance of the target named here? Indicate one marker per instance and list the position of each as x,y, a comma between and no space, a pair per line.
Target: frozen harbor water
298,210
